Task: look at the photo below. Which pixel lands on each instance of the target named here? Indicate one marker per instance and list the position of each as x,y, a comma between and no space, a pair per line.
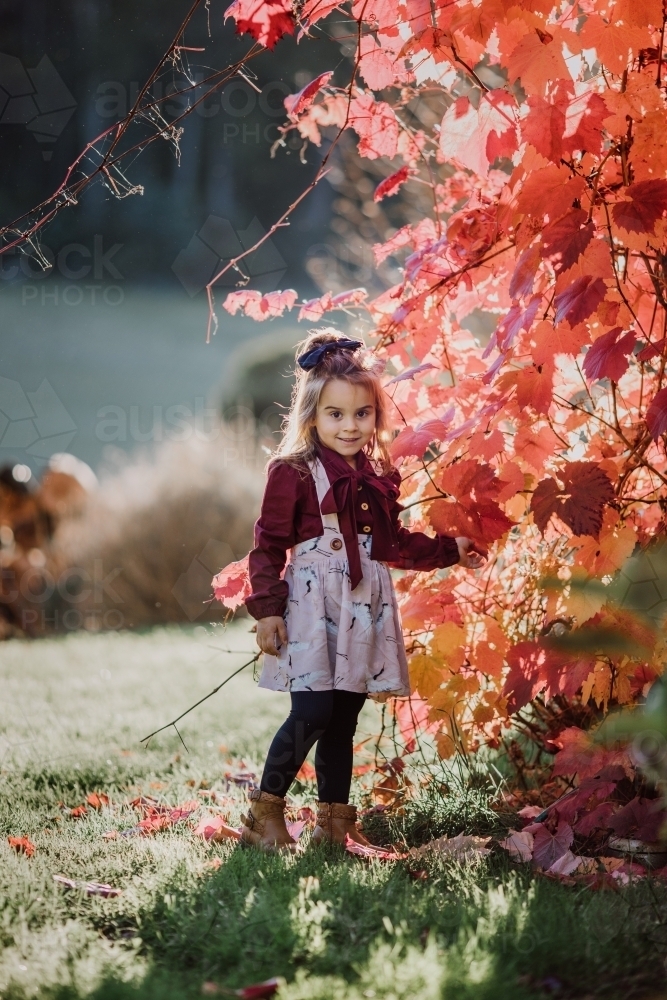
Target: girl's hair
361,367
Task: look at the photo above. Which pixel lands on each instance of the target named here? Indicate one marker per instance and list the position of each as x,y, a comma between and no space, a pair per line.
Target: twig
197,703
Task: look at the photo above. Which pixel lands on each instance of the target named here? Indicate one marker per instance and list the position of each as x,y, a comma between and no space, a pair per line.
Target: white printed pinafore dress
338,637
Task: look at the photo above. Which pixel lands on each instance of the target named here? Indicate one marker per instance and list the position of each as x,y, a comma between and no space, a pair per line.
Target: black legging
328,718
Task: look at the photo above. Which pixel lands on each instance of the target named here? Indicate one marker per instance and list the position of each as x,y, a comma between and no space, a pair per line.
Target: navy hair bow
313,357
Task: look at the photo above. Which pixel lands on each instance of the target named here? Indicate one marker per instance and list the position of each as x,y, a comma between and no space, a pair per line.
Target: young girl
329,628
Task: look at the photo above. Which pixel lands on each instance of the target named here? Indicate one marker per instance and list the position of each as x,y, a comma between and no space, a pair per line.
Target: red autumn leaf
652,350
314,10
258,991
656,415
97,800
475,513
584,116
608,357
581,756
232,584
596,818
215,828
78,812
22,845
314,309
580,299
376,124
566,239
376,64
296,103
543,127
640,818
534,387
579,501
645,204
370,853
549,846
392,184
527,674
258,306
523,277
413,442
266,20
515,320
484,522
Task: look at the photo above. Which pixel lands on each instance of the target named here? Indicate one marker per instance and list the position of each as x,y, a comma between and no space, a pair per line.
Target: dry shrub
156,530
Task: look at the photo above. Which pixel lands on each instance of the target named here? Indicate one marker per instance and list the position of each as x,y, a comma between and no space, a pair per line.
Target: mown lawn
72,712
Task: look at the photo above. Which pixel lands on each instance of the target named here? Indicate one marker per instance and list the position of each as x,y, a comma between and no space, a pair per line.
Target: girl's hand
271,634
468,554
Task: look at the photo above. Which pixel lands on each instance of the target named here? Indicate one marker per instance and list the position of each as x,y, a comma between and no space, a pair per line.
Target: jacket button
364,506
336,544
367,528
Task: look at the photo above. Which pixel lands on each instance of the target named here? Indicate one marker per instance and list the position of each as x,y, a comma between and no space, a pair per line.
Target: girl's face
345,420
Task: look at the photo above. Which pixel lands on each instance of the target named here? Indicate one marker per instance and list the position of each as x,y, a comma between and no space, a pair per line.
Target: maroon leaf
549,847
579,502
641,818
652,350
656,416
608,357
566,239
647,202
296,103
580,299
596,819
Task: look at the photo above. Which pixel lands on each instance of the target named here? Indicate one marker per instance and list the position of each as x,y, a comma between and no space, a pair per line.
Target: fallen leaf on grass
245,779
214,828
90,888
110,835
97,800
566,864
257,991
352,847
530,812
22,845
75,813
461,847
519,844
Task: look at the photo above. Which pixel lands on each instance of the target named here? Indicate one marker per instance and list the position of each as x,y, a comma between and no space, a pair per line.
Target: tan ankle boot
264,826
335,821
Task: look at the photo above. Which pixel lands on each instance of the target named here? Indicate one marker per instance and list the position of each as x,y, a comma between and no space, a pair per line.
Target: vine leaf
578,499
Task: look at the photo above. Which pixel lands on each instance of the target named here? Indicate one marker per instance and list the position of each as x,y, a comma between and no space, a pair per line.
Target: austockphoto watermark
181,422
239,99
36,97
77,598
77,273
216,243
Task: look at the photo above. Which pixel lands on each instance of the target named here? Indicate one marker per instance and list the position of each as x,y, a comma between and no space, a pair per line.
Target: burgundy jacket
365,503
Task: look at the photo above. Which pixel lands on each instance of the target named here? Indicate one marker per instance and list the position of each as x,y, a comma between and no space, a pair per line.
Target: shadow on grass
336,927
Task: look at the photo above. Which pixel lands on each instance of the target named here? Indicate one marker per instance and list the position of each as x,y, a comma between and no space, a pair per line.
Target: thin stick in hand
197,703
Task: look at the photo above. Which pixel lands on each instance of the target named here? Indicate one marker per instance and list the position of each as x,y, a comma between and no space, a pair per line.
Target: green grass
72,712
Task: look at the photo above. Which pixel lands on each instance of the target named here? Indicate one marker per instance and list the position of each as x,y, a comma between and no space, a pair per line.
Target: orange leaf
22,845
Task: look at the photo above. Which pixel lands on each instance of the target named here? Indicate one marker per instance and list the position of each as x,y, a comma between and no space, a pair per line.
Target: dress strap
318,472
